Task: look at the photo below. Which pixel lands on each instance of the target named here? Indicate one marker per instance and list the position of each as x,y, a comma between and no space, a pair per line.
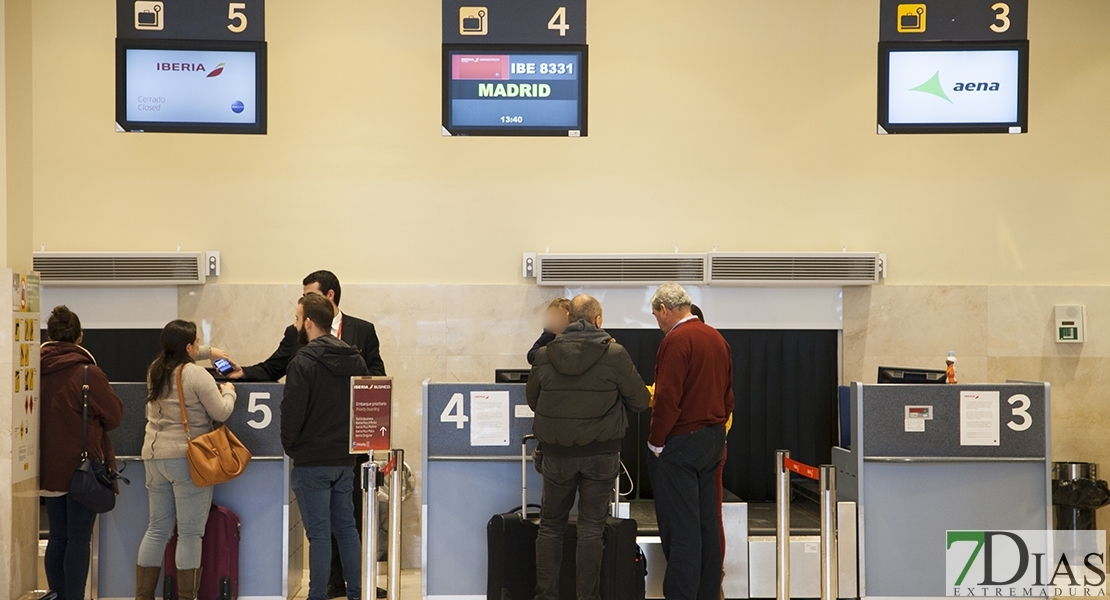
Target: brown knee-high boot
188,583
146,580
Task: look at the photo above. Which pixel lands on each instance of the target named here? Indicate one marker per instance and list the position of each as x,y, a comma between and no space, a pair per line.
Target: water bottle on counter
950,367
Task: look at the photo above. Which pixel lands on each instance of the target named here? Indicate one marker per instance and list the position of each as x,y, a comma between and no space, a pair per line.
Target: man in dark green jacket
581,386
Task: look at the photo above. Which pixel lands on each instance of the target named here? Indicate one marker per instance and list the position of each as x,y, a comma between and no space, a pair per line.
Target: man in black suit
352,330
355,332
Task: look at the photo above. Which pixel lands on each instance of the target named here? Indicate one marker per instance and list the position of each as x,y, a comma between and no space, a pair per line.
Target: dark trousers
67,551
684,479
591,479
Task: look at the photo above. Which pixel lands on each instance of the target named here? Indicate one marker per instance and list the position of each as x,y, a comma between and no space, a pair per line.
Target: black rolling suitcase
511,539
623,565
511,543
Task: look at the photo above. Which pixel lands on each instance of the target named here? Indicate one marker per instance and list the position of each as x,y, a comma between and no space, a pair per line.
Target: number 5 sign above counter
191,20
514,22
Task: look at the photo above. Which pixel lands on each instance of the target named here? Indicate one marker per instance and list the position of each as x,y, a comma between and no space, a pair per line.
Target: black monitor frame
583,88
885,48
511,375
910,375
259,49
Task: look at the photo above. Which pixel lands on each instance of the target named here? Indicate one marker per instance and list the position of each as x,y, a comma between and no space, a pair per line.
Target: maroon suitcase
219,560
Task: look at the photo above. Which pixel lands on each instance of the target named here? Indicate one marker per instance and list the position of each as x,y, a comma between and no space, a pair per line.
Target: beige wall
998,333
756,118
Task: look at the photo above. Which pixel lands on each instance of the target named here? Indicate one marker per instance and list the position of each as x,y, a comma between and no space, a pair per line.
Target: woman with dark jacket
63,374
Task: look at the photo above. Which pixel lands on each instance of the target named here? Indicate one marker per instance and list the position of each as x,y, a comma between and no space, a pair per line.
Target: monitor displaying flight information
191,87
514,90
970,87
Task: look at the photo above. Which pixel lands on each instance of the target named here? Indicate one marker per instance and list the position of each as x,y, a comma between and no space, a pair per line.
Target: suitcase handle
524,475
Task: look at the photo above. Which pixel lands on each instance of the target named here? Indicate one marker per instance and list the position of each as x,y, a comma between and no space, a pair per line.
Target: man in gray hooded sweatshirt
581,386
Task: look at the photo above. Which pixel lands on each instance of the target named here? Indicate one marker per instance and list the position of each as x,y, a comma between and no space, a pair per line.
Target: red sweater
693,381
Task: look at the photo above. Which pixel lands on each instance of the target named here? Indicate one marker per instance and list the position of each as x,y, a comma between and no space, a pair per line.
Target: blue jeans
174,499
324,497
67,552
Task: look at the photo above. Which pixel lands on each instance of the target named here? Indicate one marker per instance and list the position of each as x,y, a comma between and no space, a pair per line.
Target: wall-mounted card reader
916,416
1071,323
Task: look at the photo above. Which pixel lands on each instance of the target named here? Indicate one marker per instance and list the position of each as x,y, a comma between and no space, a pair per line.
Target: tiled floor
410,585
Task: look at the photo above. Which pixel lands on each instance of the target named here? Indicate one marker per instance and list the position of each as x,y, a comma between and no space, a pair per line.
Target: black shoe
335,591
381,593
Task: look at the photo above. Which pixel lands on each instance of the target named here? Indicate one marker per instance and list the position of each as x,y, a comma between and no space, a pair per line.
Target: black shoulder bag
92,483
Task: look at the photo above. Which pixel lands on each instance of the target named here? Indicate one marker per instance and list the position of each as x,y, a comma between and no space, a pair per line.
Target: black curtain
786,391
123,354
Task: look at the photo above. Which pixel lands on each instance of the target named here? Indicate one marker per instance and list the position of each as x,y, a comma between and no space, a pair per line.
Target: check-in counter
271,552
925,459
472,470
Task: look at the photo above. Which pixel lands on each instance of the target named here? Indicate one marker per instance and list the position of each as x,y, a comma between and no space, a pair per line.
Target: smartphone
223,366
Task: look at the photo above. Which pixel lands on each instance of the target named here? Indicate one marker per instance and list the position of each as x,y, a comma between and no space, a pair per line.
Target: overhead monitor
191,86
950,87
514,90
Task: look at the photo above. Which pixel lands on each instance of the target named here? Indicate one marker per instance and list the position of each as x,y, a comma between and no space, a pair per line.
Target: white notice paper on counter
979,419
489,418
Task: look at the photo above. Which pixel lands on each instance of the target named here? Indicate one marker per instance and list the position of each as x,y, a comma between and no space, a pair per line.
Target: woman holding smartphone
174,499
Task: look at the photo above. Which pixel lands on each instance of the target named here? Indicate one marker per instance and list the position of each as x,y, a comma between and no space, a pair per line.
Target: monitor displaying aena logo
953,86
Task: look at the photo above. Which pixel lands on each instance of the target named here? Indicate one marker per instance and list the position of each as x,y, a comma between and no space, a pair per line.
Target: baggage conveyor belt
750,548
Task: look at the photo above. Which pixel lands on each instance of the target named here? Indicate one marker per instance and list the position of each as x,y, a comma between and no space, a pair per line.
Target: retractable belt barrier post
782,526
394,559
826,477
370,532
829,567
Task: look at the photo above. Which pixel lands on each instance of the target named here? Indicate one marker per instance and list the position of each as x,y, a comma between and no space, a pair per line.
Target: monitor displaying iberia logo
191,86
1025,563
954,86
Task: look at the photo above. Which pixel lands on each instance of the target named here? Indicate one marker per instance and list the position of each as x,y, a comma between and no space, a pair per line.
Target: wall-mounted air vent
812,269
619,269
120,268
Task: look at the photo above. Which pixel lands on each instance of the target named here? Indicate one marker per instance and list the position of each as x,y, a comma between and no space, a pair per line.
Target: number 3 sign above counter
953,20
514,22
191,20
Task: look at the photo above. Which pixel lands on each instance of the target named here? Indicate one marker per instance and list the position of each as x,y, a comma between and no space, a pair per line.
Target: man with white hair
693,400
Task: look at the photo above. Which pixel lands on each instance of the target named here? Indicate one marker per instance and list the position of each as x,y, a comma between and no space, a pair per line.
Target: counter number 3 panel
953,66
514,68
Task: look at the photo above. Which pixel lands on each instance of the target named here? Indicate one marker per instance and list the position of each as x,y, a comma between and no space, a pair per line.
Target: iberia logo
215,72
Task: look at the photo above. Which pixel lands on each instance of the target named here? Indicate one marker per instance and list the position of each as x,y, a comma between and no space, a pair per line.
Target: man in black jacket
355,332
580,387
315,423
352,330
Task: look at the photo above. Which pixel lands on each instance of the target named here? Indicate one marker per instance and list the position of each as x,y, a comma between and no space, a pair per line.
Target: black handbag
92,482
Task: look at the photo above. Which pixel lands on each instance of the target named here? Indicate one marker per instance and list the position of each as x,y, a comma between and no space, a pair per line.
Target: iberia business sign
190,86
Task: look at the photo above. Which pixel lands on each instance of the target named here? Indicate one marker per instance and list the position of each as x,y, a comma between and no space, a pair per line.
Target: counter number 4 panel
521,90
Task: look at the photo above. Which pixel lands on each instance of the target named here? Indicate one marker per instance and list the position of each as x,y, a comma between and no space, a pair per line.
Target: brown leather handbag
216,456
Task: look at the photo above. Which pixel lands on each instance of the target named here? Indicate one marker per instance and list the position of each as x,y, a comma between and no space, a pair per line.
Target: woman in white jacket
174,499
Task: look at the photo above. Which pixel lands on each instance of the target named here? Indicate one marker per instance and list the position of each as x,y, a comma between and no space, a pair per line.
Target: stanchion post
396,482
829,564
782,526
369,485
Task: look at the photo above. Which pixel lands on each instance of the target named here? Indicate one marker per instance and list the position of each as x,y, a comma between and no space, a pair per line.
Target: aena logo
934,87
190,67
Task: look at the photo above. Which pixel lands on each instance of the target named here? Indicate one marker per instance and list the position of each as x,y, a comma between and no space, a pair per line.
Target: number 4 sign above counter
514,22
